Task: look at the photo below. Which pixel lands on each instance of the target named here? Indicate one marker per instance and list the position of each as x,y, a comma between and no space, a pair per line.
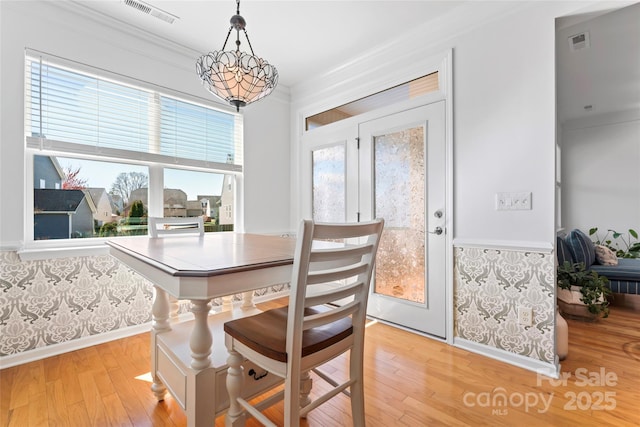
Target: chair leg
235,415
306,384
292,399
357,390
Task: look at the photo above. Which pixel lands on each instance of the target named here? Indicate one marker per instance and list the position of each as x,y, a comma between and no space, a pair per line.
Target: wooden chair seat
266,333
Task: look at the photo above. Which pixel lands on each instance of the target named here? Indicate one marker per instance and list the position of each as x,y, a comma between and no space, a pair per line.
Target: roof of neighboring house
50,200
95,193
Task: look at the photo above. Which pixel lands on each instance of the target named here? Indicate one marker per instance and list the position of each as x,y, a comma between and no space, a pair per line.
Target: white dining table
189,358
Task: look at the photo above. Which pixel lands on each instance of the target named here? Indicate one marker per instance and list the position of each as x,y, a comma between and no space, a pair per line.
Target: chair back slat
326,276
327,231
174,225
321,319
347,252
322,298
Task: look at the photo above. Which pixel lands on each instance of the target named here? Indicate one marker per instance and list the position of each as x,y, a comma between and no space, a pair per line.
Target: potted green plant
627,249
593,289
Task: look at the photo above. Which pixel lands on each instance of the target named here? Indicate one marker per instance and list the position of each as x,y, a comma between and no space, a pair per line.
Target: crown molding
603,119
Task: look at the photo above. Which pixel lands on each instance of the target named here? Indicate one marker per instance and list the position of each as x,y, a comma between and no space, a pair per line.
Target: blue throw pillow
562,251
581,247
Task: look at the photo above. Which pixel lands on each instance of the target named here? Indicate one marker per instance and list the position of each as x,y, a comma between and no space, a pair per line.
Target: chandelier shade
237,77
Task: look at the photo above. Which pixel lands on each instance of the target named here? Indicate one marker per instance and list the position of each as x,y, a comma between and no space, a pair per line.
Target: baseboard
543,368
630,301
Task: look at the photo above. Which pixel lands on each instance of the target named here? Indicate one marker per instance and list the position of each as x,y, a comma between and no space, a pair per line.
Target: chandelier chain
248,41
227,39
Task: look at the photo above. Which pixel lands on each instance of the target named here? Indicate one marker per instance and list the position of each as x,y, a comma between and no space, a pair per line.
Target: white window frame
58,248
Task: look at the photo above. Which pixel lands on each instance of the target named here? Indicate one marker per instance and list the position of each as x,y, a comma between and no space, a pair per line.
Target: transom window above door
409,90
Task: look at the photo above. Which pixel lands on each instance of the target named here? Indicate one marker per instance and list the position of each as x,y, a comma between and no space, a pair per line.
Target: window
191,193
409,90
108,151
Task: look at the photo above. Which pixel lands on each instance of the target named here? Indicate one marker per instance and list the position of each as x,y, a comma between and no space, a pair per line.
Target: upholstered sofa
577,247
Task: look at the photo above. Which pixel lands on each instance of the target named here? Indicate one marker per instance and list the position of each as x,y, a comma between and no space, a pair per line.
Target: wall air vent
579,41
151,10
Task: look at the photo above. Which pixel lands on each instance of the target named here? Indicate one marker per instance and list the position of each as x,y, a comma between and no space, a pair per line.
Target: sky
102,175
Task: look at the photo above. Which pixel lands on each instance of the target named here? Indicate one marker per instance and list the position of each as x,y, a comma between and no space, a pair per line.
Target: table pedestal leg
247,300
201,339
227,304
160,323
174,307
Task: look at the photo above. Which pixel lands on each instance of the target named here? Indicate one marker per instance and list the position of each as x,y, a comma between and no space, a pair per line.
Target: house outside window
106,152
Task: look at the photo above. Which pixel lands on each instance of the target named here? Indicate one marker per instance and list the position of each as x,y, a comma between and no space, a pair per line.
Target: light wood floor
410,381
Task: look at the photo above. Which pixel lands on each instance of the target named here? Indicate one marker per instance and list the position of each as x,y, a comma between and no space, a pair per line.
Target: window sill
34,254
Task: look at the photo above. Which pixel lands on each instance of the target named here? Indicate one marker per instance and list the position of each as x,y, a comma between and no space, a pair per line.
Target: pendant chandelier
236,77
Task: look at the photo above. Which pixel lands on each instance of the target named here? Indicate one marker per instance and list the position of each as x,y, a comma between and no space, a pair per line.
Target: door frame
332,96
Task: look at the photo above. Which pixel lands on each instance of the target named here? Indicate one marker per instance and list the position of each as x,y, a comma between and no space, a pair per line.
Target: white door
402,179
391,167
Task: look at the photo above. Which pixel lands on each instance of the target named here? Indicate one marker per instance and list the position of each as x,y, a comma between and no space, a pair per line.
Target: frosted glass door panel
400,199
402,170
329,184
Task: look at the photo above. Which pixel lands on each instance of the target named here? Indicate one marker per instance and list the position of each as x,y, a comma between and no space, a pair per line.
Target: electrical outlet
525,316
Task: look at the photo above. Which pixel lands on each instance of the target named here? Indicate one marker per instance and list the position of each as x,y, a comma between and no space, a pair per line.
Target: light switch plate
513,201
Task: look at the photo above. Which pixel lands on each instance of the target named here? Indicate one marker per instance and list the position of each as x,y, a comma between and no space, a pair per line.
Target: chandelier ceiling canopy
237,77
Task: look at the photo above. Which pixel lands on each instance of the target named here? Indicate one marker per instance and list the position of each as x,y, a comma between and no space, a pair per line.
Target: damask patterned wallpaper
490,286
48,302
53,301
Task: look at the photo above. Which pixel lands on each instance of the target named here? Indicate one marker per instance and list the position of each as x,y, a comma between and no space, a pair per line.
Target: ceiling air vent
151,10
579,41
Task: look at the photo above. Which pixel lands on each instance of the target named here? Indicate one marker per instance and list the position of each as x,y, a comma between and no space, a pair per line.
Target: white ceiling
605,76
304,38
300,38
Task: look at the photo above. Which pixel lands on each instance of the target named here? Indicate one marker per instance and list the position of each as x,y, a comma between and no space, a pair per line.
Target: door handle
438,231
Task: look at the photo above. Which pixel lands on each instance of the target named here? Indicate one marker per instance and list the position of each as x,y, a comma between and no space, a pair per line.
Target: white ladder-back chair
170,226
291,341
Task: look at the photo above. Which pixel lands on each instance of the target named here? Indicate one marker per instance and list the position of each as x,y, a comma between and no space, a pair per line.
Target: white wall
504,110
601,173
267,198
94,40
504,126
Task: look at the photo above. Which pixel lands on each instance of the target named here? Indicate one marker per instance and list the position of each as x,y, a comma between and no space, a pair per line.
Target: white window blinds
90,112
